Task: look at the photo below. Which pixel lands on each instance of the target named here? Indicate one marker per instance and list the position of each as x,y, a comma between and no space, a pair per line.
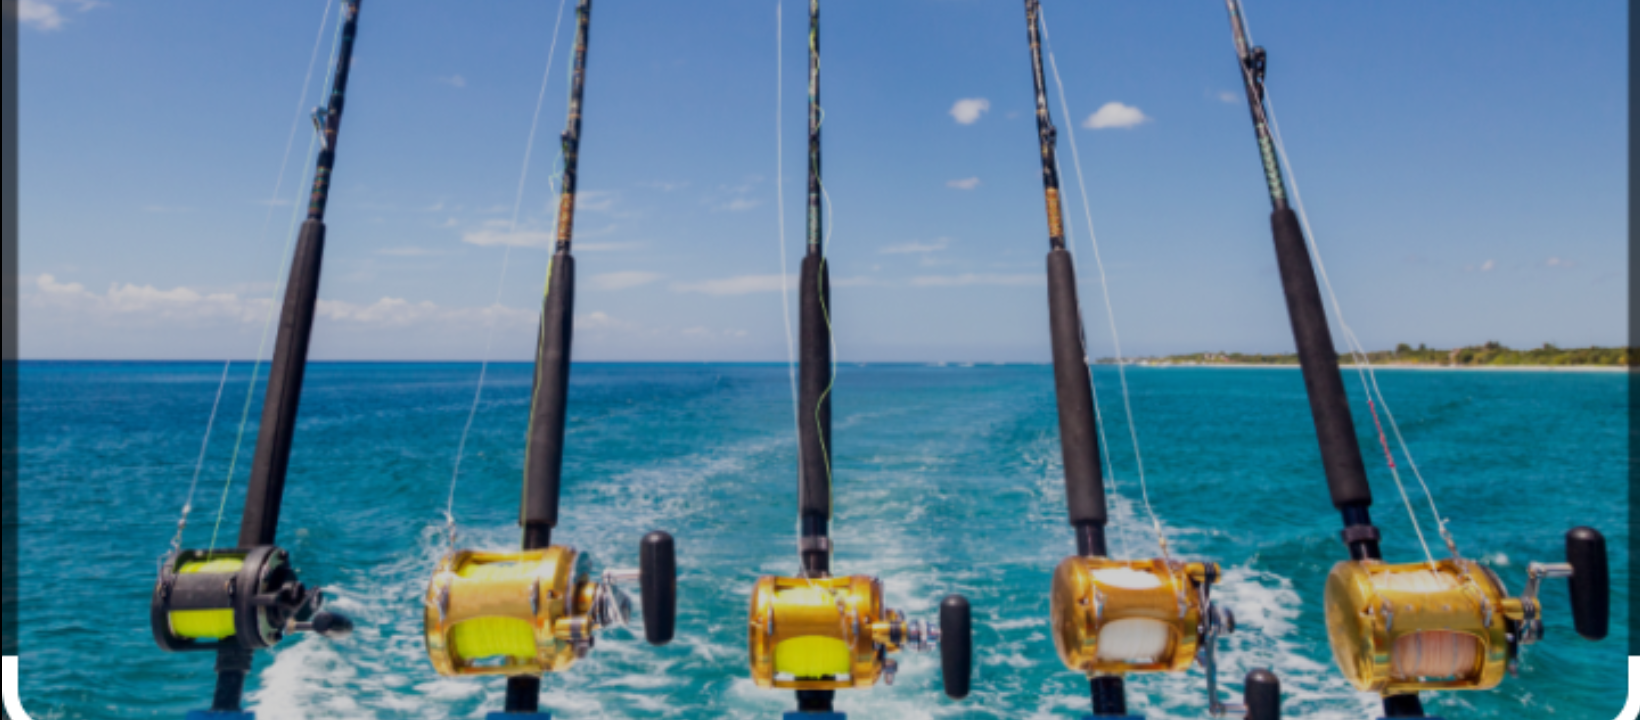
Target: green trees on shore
1492,354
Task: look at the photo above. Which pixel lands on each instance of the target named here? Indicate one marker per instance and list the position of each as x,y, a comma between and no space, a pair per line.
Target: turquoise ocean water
948,480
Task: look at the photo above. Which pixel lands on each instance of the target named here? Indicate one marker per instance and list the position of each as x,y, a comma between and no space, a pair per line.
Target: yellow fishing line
205,624
811,655
491,637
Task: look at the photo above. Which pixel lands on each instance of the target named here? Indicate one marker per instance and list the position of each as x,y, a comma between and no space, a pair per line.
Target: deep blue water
948,479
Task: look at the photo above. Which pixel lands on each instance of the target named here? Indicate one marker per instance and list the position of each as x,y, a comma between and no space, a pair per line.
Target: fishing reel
1115,617
835,633
538,611
208,598
1451,625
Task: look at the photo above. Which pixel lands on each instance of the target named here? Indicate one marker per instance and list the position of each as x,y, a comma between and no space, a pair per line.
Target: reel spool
537,611
207,598
835,633
1399,629
1114,617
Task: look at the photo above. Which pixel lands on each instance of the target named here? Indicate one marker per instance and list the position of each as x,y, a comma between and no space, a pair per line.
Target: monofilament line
199,465
501,284
1363,365
290,238
1104,286
780,211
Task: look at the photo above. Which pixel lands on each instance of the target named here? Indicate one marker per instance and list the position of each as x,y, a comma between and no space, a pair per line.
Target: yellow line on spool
493,637
205,624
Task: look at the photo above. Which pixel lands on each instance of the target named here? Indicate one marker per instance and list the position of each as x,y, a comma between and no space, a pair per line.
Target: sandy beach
1442,368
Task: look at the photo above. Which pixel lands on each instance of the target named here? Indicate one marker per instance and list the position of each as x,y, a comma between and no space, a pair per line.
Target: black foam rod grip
544,455
1591,582
265,494
956,646
814,408
658,576
1334,428
1262,695
1078,436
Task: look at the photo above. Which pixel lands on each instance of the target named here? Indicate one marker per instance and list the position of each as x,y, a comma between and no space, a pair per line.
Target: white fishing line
199,465
780,210
290,239
1104,286
1134,640
1363,364
501,283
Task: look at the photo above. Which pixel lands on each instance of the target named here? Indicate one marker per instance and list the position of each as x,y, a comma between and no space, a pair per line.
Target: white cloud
1556,262
598,201
706,333
124,302
740,285
1228,98
455,81
916,247
967,279
605,246
494,234
665,187
408,252
1115,115
739,205
964,184
967,110
46,15
622,280
1488,265
398,312
126,305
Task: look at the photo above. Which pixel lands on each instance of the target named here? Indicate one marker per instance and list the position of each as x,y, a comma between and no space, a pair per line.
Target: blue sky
1462,162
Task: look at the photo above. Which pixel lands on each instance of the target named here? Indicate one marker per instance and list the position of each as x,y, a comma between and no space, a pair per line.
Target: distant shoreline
1484,368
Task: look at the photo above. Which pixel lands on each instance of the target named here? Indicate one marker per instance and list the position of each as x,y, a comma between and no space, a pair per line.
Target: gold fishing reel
1451,625
1116,617
835,633
1113,617
208,598
537,611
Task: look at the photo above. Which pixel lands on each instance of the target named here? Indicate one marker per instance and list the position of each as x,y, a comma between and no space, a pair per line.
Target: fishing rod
815,633
1113,617
1399,629
235,601
523,614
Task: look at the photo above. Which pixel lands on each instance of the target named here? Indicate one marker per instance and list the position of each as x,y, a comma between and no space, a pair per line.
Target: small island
1489,355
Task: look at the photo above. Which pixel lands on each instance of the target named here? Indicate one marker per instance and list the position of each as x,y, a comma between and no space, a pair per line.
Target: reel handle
333,626
1262,695
658,578
1590,582
956,646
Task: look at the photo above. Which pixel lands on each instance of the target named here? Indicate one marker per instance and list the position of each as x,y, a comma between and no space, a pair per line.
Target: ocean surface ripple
948,479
